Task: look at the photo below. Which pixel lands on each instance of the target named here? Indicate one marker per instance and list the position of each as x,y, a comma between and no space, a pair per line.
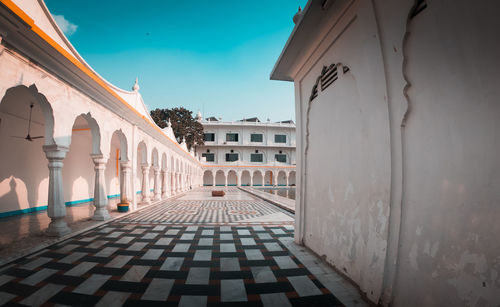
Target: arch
142,160
26,94
268,178
154,158
164,161
142,153
117,153
257,178
281,178
245,178
232,178
78,172
123,144
24,175
291,178
220,178
208,178
94,130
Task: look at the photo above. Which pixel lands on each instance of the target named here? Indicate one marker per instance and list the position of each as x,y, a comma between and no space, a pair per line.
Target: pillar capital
125,165
99,161
55,152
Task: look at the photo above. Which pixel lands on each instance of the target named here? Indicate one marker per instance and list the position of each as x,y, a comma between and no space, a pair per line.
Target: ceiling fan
29,137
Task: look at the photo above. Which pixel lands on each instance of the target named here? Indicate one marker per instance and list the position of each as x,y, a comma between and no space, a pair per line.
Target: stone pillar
100,196
56,209
164,192
287,175
251,180
238,179
225,179
125,183
157,187
275,179
146,200
213,180
172,183
177,183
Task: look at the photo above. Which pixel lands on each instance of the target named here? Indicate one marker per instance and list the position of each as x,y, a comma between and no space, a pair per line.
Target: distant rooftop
287,121
253,119
211,119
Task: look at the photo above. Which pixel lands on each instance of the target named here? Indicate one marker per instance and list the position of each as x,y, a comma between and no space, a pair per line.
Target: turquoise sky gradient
212,56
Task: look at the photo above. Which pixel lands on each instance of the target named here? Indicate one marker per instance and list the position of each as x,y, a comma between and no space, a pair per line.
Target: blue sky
212,56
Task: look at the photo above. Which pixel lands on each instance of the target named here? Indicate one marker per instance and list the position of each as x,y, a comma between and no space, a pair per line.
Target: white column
164,192
213,179
177,183
238,179
100,196
251,180
172,183
146,200
275,179
56,209
157,191
125,182
287,175
225,179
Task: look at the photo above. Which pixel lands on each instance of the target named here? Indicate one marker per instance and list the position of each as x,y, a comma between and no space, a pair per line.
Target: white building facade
98,141
247,153
398,145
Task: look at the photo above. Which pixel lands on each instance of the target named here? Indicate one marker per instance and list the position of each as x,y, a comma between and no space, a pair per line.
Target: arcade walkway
193,250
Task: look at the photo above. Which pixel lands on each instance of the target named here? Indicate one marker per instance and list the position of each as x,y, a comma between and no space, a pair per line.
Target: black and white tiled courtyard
155,257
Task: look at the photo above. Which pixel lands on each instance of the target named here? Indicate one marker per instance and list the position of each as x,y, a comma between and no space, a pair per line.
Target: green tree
183,124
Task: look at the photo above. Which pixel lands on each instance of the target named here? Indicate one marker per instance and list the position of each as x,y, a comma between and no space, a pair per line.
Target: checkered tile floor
209,211
142,264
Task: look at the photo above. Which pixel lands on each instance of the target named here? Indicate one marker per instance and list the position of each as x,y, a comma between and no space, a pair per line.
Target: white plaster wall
346,152
23,170
78,171
232,179
112,171
220,178
208,178
451,170
245,178
257,178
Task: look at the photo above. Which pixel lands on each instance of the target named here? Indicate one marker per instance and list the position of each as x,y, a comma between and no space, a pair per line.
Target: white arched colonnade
98,140
284,176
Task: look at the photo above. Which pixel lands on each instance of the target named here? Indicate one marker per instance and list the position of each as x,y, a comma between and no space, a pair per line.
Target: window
280,157
279,138
256,138
231,157
256,157
209,137
209,156
231,137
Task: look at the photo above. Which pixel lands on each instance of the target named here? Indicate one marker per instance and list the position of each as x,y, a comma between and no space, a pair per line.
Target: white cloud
66,26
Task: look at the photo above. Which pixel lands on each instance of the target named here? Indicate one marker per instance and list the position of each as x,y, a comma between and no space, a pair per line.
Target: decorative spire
297,16
198,116
136,86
